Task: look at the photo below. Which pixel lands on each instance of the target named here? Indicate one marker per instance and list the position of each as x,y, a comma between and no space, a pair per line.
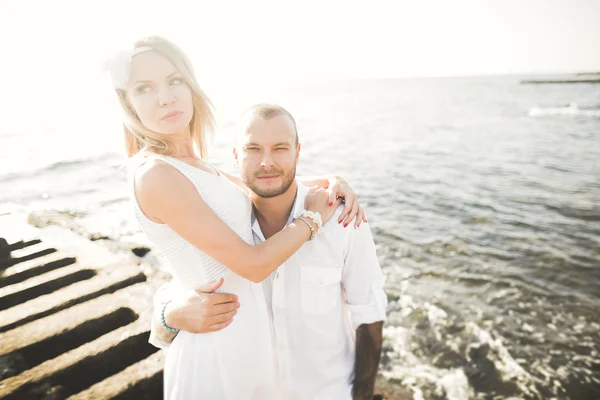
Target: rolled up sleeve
362,278
156,342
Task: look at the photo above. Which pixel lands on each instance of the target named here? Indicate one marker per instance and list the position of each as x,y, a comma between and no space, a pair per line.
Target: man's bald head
264,111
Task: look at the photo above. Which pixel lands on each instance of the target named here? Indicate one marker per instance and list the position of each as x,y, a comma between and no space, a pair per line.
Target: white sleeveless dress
235,363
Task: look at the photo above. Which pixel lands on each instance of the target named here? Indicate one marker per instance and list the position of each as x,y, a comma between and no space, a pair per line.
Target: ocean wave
54,167
571,110
435,354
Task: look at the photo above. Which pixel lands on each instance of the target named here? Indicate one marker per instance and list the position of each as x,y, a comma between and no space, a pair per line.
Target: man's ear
235,156
298,153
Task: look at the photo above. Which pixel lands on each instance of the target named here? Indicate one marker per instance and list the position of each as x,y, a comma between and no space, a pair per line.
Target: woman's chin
171,130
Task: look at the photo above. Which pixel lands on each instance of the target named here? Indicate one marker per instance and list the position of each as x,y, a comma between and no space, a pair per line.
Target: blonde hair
137,136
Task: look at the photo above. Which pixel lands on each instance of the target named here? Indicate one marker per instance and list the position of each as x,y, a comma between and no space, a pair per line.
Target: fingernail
330,203
345,225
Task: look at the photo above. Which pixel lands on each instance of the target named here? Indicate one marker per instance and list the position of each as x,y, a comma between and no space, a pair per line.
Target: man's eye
281,148
251,148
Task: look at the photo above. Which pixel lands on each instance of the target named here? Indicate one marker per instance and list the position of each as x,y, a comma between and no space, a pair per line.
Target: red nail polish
345,225
330,203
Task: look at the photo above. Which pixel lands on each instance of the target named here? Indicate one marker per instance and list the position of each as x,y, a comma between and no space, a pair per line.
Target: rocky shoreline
67,313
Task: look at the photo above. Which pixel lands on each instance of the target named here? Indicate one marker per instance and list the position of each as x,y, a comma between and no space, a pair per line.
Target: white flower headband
119,66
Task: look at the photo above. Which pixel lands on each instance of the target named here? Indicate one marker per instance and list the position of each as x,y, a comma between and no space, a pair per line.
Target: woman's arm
235,179
167,196
336,187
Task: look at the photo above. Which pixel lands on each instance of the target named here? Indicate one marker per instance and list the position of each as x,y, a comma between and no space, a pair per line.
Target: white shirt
316,300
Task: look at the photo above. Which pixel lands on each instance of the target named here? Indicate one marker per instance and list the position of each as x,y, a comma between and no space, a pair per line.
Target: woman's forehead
150,66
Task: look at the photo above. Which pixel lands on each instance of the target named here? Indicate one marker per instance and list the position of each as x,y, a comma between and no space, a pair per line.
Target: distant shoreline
594,77
562,81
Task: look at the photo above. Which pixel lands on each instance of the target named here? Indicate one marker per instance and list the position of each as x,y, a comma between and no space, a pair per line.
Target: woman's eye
143,89
176,81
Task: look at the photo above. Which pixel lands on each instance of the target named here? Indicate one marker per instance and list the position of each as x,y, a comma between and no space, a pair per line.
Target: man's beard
288,179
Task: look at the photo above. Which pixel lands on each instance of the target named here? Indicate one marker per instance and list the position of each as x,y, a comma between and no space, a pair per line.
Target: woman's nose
165,97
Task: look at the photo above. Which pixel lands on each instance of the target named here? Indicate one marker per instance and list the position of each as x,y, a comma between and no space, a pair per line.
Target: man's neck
272,213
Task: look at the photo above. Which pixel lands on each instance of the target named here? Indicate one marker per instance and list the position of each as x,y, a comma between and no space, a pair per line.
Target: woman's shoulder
150,170
155,171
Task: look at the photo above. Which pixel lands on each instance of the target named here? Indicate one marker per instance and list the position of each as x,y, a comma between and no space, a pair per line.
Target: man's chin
270,187
268,193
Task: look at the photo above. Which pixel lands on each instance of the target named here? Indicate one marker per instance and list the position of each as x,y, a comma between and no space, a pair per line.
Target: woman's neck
184,145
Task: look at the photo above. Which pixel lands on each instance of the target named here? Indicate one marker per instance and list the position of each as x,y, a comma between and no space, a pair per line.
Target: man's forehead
266,131
264,138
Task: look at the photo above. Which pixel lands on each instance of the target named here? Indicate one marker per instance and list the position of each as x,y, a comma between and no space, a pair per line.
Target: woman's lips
172,116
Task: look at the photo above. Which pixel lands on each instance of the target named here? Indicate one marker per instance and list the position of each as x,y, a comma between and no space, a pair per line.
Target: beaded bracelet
314,217
162,319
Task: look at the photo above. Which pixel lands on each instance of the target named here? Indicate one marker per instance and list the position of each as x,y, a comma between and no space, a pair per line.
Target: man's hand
197,311
202,310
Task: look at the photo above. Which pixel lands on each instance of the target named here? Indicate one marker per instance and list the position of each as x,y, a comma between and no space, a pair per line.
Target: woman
199,218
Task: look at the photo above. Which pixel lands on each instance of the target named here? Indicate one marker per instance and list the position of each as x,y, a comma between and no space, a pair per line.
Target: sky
53,51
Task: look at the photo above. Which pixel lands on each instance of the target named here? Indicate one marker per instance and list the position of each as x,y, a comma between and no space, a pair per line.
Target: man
326,303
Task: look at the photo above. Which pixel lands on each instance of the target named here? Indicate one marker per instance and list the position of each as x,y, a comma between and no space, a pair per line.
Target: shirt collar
297,208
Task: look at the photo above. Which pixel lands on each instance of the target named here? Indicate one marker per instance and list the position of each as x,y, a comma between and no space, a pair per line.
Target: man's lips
267,176
172,115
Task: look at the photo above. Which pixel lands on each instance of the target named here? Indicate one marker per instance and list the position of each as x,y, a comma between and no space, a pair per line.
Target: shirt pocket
321,288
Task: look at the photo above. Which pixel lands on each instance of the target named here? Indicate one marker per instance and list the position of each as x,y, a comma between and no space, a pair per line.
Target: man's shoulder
333,227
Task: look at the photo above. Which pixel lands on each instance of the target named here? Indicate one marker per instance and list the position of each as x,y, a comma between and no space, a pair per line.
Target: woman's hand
338,187
318,200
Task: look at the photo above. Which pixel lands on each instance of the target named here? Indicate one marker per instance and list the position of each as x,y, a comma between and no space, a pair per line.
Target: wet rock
4,248
140,251
97,236
390,390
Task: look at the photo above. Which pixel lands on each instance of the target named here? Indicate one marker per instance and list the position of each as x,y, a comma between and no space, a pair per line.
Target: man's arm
197,311
366,362
363,281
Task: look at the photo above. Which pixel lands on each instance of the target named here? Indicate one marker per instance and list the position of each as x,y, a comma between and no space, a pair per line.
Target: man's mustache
270,172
